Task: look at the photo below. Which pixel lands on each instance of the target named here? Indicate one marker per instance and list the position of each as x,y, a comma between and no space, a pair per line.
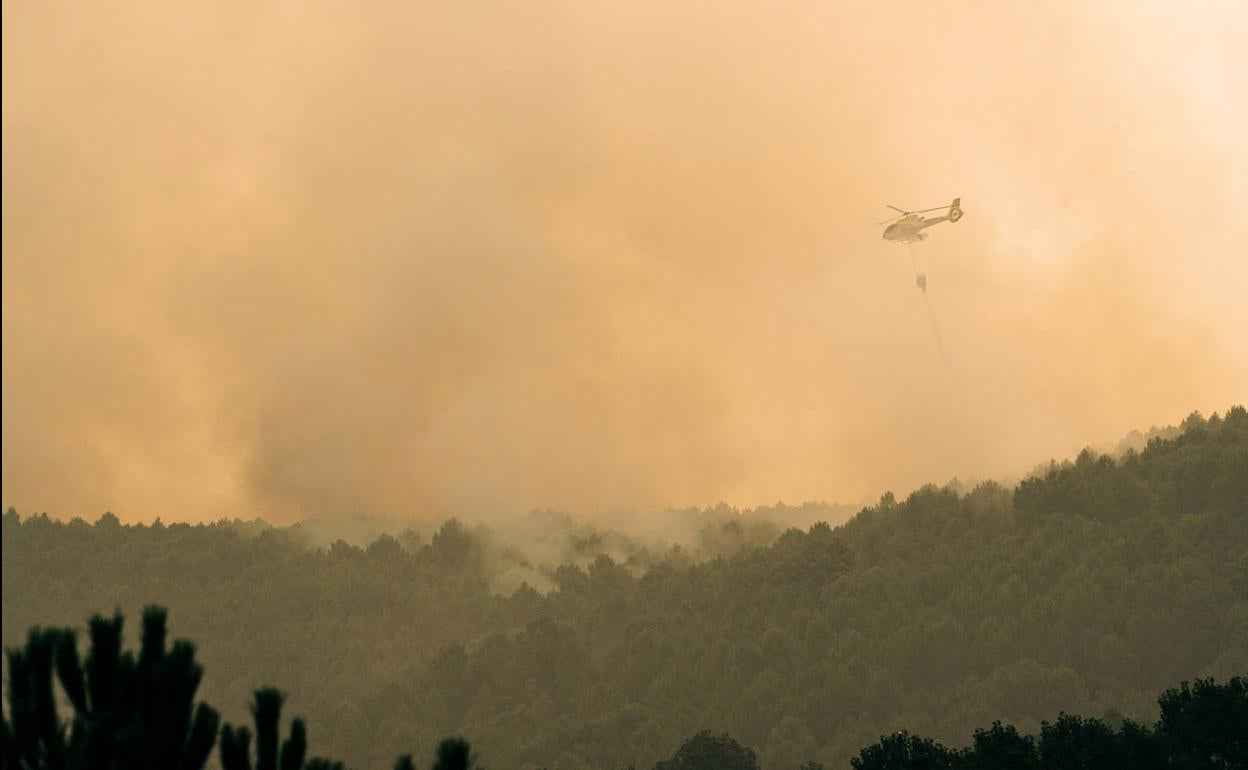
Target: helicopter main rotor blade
894,208
924,211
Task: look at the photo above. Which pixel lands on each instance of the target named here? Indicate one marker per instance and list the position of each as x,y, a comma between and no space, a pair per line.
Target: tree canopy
1087,588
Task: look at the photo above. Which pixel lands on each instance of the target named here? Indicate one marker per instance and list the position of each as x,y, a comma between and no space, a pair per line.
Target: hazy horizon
296,260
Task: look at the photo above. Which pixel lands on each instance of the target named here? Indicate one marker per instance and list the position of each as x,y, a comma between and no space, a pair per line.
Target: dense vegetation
132,711
1088,589
1202,727
138,712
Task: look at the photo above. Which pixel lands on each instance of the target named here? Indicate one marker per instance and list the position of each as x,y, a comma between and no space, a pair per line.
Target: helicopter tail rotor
955,210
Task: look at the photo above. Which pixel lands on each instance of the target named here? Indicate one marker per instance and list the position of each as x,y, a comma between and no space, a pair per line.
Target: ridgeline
1089,588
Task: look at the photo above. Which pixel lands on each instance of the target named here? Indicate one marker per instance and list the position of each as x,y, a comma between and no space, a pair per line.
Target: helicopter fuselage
910,228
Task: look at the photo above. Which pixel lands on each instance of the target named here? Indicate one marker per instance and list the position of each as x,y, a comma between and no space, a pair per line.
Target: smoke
418,260
940,338
920,281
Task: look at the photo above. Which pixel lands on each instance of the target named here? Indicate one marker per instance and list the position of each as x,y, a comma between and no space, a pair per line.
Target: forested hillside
1088,588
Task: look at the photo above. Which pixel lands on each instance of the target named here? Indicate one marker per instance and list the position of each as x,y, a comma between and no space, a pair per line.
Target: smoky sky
420,259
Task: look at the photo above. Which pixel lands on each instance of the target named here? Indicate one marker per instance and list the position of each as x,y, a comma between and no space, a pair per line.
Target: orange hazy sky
294,259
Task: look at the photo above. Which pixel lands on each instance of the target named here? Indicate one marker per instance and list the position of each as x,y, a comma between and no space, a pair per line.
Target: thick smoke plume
426,259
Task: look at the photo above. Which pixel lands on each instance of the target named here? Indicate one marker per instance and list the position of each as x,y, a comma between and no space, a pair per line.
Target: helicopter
907,226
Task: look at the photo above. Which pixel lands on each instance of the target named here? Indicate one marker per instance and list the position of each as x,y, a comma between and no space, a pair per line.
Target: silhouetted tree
1140,748
1202,726
454,754
35,736
127,713
1205,725
266,715
1075,743
706,751
902,751
1000,747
